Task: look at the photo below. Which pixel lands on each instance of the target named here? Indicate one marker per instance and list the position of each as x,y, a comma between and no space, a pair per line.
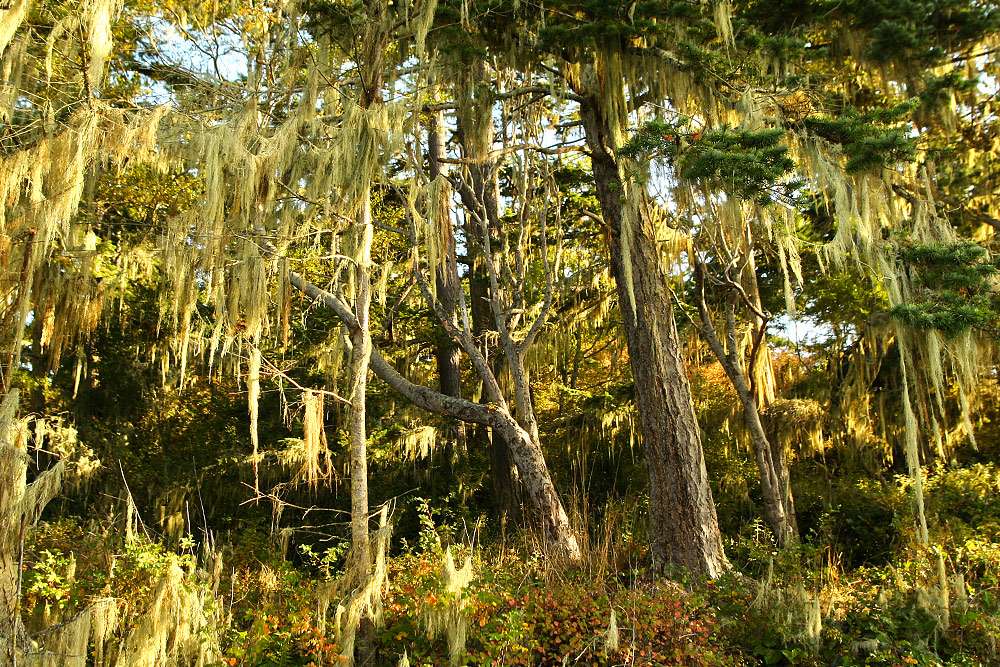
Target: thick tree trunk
447,353
504,480
684,528
448,358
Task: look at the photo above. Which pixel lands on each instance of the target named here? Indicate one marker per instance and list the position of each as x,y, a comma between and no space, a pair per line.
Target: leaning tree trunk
761,395
524,450
503,472
684,528
779,508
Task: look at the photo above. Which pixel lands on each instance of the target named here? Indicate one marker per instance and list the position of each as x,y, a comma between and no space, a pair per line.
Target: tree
479,193
347,105
683,526
607,62
742,168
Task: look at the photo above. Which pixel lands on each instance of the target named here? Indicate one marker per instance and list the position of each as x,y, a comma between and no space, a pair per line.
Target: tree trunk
684,528
779,508
446,353
374,46
361,345
503,473
504,480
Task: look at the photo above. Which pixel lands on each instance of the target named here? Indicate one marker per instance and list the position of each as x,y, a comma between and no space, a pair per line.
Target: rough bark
684,528
504,480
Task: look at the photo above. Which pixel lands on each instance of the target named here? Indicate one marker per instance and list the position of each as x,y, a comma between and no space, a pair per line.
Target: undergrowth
837,598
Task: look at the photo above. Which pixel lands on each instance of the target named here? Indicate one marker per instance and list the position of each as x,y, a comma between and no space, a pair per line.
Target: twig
280,373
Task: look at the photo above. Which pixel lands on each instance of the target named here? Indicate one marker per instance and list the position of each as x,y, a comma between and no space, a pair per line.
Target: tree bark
361,346
503,473
684,528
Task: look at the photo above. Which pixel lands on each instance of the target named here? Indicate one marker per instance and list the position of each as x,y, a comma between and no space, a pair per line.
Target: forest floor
858,590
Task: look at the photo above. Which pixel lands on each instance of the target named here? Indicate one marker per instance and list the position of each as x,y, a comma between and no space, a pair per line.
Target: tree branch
421,396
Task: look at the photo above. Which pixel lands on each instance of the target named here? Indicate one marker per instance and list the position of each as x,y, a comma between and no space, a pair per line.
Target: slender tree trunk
684,528
374,45
361,344
779,508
